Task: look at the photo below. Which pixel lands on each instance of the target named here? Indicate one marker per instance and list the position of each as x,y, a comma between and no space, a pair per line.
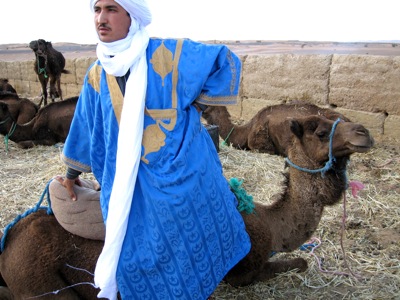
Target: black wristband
72,173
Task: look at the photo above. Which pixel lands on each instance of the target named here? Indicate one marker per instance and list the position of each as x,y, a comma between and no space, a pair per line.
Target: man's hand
69,185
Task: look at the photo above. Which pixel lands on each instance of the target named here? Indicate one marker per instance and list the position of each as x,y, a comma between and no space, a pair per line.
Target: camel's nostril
362,132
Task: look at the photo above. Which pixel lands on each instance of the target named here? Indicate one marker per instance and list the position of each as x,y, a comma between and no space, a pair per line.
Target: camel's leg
272,268
43,82
41,100
241,279
58,81
53,90
32,143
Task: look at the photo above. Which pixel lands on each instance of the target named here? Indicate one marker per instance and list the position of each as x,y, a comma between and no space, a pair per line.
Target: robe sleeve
76,152
222,84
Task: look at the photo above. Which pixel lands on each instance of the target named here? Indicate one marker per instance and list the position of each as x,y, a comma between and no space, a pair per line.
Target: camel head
313,134
6,87
39,46
5,114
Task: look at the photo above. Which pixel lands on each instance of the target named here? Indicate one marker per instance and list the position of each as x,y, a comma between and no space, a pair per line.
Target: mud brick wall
365,88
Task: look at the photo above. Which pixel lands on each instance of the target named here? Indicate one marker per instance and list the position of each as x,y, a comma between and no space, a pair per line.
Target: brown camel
41,257
22,110
49,64
49,126
5,87
265,131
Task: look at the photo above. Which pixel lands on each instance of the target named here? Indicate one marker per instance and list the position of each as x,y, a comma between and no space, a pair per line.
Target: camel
264,132
22,110
49,64
49,126
40,257
5,87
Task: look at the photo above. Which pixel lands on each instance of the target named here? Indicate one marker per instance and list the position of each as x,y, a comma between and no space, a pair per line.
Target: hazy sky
307,20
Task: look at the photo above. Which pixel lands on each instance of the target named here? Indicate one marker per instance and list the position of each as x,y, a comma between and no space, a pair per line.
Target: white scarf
128,54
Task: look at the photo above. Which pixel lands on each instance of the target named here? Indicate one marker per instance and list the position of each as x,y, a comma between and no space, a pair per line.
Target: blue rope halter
28,212
328,164
42,70
9,134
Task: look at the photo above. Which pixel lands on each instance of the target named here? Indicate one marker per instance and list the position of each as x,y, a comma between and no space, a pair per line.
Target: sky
305,20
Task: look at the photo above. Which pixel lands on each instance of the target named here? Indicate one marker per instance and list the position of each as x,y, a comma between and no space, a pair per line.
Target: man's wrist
72,173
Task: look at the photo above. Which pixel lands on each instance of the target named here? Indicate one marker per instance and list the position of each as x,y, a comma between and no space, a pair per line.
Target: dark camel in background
49,126
22,110
49,65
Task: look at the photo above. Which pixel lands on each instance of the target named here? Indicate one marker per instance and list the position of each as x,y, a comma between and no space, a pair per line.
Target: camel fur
49,65
49,126
38,251
265,131
22,110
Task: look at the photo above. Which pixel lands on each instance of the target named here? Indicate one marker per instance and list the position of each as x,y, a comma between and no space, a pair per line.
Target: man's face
111,20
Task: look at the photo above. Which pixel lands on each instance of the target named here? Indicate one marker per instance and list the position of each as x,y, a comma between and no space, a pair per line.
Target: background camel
49,64
265,131
40,257
22,110
49,126
5,87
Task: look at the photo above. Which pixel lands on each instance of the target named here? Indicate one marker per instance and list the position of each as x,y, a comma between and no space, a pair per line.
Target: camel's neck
16,132
228,131
296,215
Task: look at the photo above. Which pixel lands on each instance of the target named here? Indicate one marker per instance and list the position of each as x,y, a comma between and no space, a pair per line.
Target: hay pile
371,240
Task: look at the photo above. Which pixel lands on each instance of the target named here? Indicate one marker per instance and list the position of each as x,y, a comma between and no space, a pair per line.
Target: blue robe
184,231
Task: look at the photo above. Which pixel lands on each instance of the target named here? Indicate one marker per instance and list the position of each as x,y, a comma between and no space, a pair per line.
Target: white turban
117,58
136,8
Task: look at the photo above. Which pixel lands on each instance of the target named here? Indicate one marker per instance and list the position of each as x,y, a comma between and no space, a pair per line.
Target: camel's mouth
350,147
362,147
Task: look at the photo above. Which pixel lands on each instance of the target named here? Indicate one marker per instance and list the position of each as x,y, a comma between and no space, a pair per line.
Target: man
172,227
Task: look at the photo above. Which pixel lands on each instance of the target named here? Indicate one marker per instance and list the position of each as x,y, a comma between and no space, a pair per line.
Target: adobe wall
365,88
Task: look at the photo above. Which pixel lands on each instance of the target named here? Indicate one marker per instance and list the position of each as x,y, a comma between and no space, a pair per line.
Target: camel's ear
296,127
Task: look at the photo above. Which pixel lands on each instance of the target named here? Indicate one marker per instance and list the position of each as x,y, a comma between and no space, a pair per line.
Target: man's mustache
103,26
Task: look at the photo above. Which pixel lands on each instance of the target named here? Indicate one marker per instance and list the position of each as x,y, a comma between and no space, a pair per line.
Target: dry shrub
371,243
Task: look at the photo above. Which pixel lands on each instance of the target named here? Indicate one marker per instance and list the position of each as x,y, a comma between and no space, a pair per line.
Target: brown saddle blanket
82,217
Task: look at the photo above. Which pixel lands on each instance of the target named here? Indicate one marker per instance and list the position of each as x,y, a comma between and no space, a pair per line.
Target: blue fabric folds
184,232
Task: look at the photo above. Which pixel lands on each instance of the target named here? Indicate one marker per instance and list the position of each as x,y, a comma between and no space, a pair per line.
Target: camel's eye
322,134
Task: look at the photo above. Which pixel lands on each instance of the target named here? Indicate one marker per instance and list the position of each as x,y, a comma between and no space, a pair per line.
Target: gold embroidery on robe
163,64
162,61
94,77
117,99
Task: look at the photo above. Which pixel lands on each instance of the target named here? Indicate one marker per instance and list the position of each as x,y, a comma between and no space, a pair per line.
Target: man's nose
101,17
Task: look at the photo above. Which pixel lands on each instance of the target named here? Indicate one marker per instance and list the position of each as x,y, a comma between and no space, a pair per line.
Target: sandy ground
20,52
